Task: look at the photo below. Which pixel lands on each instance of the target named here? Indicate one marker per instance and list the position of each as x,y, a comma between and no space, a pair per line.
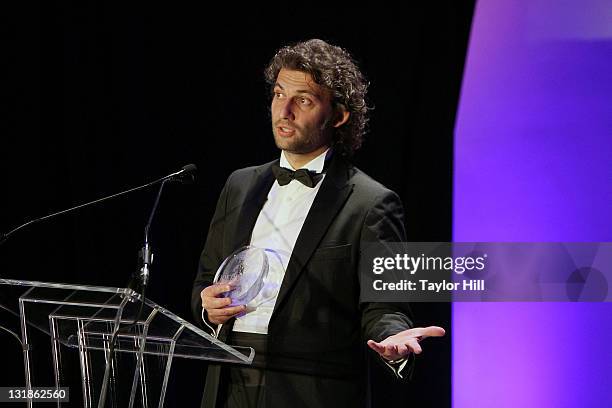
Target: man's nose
286,111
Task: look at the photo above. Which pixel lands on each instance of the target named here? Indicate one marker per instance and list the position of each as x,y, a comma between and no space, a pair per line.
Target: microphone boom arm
188,169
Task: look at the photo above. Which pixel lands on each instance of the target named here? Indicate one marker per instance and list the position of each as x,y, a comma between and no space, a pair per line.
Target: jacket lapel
328,202
255,198
253,203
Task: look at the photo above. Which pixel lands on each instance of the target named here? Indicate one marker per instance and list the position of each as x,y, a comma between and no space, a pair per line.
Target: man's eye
305,101
278,94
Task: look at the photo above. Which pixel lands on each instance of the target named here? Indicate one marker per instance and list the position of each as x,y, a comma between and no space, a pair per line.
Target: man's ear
341,116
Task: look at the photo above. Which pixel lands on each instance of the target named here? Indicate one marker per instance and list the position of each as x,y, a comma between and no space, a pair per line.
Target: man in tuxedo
314,211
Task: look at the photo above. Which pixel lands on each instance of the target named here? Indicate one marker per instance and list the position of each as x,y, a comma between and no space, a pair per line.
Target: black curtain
100,97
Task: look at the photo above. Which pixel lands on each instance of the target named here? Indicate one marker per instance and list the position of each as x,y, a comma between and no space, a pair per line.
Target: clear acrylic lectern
70,326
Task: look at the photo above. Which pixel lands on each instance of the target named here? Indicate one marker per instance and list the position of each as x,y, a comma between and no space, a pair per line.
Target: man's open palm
403,343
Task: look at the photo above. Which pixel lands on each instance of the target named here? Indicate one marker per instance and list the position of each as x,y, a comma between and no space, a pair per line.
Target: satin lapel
328,202
253,203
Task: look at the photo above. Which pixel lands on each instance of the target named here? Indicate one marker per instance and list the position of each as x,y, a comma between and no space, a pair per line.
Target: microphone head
188,174
190,168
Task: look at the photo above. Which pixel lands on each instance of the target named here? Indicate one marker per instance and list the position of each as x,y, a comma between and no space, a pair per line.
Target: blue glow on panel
533,162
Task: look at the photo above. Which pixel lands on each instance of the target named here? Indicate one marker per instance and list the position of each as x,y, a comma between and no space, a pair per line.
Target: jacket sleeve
212,255
385,223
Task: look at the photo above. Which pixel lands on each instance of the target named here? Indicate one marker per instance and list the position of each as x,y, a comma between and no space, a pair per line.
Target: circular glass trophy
244,271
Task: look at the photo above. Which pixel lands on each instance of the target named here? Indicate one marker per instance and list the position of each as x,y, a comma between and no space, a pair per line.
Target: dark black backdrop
102,97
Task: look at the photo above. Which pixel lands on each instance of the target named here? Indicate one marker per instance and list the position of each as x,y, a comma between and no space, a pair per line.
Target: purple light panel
533,162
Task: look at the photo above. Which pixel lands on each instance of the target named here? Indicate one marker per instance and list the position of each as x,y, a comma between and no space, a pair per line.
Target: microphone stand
146,255
140,281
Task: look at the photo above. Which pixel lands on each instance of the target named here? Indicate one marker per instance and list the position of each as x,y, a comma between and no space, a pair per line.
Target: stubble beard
303,142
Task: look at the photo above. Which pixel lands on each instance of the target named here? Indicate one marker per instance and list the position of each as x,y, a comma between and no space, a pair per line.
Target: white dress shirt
276,230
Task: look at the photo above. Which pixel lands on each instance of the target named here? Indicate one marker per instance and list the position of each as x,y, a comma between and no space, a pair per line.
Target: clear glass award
244,271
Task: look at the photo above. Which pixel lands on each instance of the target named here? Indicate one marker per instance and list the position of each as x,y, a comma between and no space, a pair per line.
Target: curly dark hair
333,68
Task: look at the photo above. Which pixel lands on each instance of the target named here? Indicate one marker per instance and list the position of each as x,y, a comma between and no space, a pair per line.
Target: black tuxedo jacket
316,342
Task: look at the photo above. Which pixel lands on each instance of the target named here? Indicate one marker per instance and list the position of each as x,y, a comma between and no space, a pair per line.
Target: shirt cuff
397,365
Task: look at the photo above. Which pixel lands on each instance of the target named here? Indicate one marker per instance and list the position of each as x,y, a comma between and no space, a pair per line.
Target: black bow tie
306,177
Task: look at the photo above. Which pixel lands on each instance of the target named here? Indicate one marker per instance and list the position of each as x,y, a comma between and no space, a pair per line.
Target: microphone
140,280
186,175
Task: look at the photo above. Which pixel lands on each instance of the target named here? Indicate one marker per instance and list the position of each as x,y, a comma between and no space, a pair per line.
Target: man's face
301,113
